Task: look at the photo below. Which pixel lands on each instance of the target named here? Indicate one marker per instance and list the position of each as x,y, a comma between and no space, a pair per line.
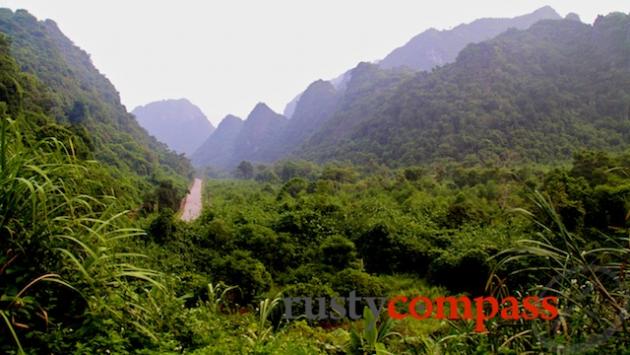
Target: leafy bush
162,228
362,283
467,272
239,268
338,252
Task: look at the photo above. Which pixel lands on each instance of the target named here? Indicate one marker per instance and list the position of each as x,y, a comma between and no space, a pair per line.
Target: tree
245,170
338,252
239,268
162,227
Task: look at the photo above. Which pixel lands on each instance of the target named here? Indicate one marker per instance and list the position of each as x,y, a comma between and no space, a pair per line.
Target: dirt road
192,203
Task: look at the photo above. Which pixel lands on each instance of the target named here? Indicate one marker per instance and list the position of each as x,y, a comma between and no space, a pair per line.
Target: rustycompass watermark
478,309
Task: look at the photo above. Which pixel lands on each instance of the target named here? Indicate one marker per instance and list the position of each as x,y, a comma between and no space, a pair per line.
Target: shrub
463,273
162,227
276,251
338,252
364,284
239,268
293,187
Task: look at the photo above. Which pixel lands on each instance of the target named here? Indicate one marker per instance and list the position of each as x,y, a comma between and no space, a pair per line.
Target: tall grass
591,283
377,328
51,232
263,331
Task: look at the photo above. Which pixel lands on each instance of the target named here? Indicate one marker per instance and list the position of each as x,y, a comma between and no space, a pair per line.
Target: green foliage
162,227
294,186
72,279
468,272
533,95
371,339
239,268
339,174
338,252
244,170
590,283
363,284
217,295
262,330
79,244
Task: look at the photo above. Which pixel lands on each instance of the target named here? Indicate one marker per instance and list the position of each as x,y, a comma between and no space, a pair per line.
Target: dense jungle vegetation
95,260
526,96
529,96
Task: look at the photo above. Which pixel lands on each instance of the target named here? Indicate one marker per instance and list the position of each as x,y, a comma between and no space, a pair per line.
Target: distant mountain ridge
316,105
527,95
259,129
235,140
311,110
178,123
536,94
433,48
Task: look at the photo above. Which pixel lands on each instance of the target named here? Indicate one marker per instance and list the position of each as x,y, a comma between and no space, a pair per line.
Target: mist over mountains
221,143
433,48
178,123
487,91
384,181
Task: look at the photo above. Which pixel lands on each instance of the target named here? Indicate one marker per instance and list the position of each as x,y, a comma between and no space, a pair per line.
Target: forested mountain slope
80,95
534,95
259,130
218,149
235,140
315,106
348,101
67,261
266,136
433,48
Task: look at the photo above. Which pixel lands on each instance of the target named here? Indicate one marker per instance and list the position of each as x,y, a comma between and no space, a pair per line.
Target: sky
226,56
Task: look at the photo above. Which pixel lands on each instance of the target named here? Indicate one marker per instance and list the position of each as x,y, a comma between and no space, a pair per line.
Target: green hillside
534,95
469,183
78,94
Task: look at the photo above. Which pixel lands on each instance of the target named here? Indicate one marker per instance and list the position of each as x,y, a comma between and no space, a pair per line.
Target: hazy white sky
225,56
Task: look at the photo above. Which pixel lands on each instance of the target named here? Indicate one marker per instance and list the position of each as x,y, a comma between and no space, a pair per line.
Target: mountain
339,83
289,109
433,48
349,99
236,140
535,95
79,95
368,87
527,95
178,123
313,108
260,128
218,148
